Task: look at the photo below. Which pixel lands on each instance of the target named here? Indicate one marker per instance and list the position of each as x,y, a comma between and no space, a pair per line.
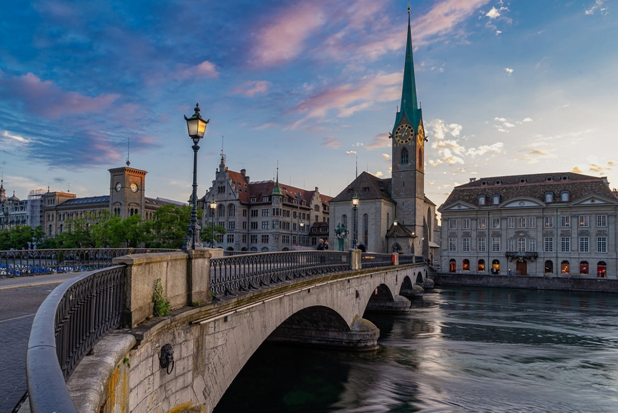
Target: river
458,350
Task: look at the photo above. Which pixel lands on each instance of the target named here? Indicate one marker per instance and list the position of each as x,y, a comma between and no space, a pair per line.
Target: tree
168,229
207,232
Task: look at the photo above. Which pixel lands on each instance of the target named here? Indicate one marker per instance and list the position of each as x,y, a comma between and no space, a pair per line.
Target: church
393,214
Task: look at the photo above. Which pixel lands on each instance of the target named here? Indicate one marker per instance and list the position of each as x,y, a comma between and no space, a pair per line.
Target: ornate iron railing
409,259
375,260
229,275
66,327
17,263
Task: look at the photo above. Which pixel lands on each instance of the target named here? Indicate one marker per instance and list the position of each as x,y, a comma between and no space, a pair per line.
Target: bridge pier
400,305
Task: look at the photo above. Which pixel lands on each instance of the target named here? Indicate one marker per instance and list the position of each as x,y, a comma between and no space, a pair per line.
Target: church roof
366,186
531,186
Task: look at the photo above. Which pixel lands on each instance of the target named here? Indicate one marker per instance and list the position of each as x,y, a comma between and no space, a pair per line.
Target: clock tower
127,192
408,144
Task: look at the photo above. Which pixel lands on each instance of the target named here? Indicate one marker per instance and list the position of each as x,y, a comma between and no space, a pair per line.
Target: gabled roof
90,200
366,186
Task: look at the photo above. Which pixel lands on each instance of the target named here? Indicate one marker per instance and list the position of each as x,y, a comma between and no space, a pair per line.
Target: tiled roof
530,186
366,186
101,199
162,201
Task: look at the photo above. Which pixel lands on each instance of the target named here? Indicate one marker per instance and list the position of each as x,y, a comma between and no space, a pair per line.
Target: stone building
402,197
264,215
551,223
13,211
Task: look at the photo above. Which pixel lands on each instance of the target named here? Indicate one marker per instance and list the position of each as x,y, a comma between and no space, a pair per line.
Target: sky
506,87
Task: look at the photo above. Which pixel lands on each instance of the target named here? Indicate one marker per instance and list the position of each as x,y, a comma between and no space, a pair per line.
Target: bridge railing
229,275
18,263
410,259
375,260
66,327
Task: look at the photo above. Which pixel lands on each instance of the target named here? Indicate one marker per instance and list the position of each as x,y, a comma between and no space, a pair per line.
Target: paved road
19,300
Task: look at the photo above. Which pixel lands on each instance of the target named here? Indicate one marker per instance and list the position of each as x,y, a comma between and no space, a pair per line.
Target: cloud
283,37
386,156
205,69
496,148
508,125
379,174
451,159
59,180
252,88
576,170
439,129
435,163
508,70
493,13
600,169
349,98
527,120
538,152
17,138
351,153
500,119
598,5
331,142
44,98
380,141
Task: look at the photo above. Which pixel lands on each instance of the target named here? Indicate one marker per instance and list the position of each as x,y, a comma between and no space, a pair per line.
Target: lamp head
196,125
355,200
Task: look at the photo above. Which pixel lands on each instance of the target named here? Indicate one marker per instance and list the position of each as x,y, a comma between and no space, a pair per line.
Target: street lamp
355,201
302,230
196,126
395,223
213,207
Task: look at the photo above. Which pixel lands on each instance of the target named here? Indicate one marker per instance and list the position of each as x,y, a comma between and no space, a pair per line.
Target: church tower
408,144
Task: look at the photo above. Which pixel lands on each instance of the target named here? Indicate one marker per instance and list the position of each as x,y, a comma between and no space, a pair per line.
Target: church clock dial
118,187
420,136
134,187
404,134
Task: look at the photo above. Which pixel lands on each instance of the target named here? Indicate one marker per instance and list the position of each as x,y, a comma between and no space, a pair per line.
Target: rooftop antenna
408,7
69,190
222,140
128,151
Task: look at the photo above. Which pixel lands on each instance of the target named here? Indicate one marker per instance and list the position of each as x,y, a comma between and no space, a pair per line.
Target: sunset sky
507,87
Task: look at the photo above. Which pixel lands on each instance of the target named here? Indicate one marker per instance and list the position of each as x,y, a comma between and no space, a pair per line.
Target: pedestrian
321,245
325,245
361,247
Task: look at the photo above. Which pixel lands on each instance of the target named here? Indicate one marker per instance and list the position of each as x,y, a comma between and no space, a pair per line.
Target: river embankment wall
527,282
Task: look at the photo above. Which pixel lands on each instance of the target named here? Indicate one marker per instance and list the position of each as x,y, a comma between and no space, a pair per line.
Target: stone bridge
212,342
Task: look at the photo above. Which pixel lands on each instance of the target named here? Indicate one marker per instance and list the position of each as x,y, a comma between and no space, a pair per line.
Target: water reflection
459,350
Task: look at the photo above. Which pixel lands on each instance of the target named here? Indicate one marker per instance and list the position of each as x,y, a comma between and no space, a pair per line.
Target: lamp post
355,201
213,207
302,230
196,127
395,223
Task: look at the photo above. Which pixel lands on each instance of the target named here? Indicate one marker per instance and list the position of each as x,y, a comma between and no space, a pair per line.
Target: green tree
168,228
207,232
20,237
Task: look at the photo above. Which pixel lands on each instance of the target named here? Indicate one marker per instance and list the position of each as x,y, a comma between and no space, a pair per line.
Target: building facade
543,224
265,215
394,214
13,211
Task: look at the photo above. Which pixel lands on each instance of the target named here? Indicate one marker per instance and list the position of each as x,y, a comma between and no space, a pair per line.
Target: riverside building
542,224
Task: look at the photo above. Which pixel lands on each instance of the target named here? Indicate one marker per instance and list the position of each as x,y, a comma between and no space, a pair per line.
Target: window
511,245
231,225
496,199
365,229
452,266
452,223
244,225
549,197
231,210
584,221
265,224
565,244
495,244
344,220
584,268
254,239
602,244
465,245
221,189
285,239
244,212
266,212
264,239
521,244
548,244
481,266
481,245
601,269
565,221
564,196
230,238
511,222
482,223
254,225
317,219
549,267
404,156
275,224
244,238
495,267
316,208
495,222
601,220
482,199
452,244
221,211
548,222
565,268
466,265
265,199
584,244
465,223
254,212
532,245
521,222
532,222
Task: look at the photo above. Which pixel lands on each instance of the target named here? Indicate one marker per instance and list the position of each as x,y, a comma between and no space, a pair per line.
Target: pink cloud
252,88
284,38
331,142
44,98
380,141
205,69
349,98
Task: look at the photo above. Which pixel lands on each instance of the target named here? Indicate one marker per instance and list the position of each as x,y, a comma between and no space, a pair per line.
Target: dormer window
523,180
265,199
252,199
484,183
565,196
549,197
564,177
496,199
498,182
549,178
482,199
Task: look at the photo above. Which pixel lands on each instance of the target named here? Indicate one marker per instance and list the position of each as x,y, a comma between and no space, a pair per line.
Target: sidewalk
35,280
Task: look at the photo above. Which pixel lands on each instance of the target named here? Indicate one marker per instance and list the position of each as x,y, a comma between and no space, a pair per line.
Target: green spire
409,101
276,189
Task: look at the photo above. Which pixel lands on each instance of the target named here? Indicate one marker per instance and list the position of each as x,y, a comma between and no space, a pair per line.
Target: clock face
134,187
420,136
118,187
404,134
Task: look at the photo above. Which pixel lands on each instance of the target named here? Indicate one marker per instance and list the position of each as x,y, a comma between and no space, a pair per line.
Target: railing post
198,276
355,260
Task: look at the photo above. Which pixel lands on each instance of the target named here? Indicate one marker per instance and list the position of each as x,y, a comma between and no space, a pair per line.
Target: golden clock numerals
404,133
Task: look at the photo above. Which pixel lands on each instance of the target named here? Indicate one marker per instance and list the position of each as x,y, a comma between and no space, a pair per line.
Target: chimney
247,179
472,179
243,172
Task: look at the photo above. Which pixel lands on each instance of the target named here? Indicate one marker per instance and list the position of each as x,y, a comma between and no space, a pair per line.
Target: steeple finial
128,151
277,189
